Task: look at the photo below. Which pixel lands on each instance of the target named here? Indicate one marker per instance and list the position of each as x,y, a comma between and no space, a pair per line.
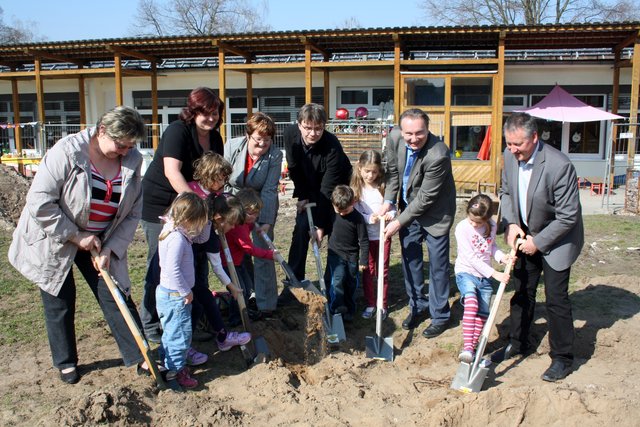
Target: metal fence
42,137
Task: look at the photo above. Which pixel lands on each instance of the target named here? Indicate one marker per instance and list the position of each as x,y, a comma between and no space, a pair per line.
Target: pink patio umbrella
559,105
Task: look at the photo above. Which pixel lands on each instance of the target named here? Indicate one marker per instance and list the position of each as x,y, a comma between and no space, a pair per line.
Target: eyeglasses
261,141
121,146
309,129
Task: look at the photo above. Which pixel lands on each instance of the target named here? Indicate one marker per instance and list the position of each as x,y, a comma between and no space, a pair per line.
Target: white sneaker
368,312
466,356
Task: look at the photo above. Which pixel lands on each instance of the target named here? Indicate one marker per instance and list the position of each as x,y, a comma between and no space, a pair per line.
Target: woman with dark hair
257,164
86,196
183,142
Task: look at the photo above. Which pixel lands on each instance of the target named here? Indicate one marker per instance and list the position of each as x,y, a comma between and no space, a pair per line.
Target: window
425,91
471,91
354,97
584,138
466,141
550,132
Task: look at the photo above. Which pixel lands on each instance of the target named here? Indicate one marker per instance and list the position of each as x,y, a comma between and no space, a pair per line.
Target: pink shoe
185,379
234,339
195,358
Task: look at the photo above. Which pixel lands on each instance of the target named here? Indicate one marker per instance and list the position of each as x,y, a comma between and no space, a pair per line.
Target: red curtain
485,148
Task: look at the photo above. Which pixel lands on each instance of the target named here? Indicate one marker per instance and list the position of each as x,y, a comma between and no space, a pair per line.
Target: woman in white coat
87,195
257,164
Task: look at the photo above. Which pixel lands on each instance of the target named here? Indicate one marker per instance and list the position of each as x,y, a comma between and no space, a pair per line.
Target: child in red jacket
242,249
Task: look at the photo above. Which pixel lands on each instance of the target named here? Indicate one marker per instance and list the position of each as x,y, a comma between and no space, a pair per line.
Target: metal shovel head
468,380
308,286
335,329
262,350
379,348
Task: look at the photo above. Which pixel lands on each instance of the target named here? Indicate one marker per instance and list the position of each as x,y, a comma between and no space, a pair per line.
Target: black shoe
70,377
505,353
434,330
254,314
412,320
557,371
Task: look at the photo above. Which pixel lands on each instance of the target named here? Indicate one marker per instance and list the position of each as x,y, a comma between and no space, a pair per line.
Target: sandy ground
304,384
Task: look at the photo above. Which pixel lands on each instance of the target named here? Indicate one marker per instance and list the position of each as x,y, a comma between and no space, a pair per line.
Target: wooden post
326,91
222,82
308,82
633,109
155,131
496,128
117,61
249,94
398,94
82,102
15,97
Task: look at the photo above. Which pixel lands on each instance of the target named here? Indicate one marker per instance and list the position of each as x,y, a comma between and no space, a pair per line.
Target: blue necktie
411,157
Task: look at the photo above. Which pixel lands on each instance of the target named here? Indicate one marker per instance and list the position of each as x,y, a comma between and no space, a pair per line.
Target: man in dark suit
540,200
317,164
420,181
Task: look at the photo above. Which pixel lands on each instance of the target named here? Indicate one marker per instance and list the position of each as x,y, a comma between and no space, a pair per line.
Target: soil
307,383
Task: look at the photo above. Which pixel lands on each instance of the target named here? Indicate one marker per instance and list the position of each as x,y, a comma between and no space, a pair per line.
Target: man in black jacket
317,164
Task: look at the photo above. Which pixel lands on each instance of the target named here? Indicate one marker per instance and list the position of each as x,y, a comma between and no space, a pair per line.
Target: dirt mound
13,192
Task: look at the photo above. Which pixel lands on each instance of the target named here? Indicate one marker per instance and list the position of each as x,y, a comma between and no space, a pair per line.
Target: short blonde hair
188,210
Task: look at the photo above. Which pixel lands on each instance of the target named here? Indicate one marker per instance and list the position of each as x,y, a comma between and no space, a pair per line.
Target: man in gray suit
420,180
540,200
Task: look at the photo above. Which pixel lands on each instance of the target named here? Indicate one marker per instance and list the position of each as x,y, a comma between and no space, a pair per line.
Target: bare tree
19,32
349,24
199,17
529,12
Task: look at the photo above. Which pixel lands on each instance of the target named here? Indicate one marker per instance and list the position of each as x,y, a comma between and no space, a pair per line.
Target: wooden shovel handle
131,323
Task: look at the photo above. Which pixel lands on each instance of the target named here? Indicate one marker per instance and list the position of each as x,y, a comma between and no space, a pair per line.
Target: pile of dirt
13,192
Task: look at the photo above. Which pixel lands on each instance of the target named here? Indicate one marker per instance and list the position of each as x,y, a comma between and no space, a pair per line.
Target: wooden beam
53,57
15,98
118,78
155,131
230,49
308,78
131,53
222,84
483,61
628,41
305,40
262,67
136,73
82,102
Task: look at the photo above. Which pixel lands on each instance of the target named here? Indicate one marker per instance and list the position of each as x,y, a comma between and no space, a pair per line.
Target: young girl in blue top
186,222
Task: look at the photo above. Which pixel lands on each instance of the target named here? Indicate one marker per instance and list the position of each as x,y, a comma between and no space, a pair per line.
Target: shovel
470,377
333,323
257,350
293,280
131,323
378,347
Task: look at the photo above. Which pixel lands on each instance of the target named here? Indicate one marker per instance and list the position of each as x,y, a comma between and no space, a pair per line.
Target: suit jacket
431,190
263,177
554,213
315,174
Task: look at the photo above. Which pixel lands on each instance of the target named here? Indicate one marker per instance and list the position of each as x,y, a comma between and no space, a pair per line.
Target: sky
63,20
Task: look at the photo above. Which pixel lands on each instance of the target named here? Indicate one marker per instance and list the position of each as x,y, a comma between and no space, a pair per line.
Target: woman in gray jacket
257,164
86,195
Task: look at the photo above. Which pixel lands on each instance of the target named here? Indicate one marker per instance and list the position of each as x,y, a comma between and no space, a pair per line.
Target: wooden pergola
318,50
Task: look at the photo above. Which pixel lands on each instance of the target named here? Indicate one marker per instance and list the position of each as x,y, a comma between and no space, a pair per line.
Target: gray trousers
264,279
148,314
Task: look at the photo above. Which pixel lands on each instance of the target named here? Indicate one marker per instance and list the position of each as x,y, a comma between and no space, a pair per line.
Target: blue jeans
468,284
341,279
175,317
